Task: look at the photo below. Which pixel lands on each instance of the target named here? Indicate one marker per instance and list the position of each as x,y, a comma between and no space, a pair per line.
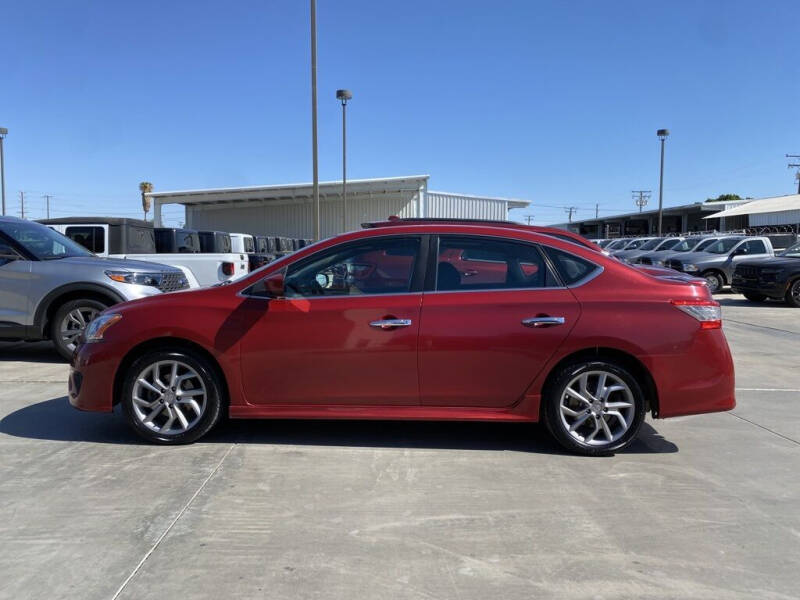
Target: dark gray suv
52,287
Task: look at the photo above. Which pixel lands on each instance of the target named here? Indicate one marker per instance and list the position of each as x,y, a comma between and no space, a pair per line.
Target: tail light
707,312
228,268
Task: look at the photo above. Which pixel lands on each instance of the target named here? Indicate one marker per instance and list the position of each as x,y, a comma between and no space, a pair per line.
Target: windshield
617,244
792,251
723,246
635,244
604,243
651,244
693,244
668,244
43,242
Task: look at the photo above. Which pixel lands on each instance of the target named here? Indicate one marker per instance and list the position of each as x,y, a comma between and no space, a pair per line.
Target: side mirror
273,285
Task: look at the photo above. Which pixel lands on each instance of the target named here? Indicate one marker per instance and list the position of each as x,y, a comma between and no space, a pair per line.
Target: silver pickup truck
717,262
52,287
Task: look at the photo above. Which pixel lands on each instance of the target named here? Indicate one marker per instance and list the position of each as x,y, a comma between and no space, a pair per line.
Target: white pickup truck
135,239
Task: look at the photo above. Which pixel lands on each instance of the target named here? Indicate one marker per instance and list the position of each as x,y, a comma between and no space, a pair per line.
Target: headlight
657,262
95,330
135,278
689,268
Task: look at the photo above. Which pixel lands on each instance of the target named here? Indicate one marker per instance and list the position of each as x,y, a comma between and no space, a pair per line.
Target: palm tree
145,187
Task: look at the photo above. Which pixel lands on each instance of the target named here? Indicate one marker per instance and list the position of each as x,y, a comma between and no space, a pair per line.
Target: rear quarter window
570,268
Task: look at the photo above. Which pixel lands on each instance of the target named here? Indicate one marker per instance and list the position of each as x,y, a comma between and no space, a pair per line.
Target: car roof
563,234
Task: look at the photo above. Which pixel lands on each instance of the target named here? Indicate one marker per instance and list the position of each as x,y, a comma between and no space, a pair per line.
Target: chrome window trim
243,295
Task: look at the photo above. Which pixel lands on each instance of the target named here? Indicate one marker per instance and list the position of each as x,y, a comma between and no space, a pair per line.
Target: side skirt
376,413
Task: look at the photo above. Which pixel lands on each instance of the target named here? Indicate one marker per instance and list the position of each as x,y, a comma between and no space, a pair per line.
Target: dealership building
287,209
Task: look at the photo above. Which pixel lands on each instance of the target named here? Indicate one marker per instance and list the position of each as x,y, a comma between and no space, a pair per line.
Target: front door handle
387,324
543,321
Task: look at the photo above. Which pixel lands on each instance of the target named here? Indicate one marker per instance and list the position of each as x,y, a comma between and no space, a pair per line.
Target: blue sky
552,102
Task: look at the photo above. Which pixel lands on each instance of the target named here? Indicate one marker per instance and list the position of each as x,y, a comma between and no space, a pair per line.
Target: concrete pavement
699,507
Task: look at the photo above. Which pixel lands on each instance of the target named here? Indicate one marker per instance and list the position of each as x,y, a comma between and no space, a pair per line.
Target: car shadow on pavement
35,352
745,302
56,420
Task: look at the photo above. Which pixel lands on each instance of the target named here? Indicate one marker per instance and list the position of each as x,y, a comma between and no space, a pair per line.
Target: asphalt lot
699,507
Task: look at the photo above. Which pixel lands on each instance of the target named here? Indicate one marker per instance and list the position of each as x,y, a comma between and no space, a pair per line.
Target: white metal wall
464,207
294,219
784,217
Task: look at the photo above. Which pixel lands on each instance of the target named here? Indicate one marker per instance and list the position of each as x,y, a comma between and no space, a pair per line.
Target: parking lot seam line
172,524
787,438
760,326
767,390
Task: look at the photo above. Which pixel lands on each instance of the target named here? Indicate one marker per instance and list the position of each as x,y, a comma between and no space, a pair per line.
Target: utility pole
570,210
797,165
3,133
596,211
529,218
315,166
47,199
662,135
22,203
640,198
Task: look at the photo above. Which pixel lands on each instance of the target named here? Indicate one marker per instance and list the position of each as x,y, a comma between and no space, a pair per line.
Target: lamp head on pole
3,132
344,95
662,133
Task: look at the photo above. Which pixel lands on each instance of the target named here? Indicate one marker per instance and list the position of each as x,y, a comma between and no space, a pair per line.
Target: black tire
66,346
558,427
715,281
753,297
793,294
212,407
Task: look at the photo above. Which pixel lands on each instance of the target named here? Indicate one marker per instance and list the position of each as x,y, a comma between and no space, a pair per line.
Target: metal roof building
778,210
286,209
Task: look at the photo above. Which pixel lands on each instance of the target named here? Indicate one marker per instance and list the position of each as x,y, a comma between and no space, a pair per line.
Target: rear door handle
543,321
387,324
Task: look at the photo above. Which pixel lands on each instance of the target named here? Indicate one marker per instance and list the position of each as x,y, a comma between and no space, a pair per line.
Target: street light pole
3,132
315,184
344,96
662,135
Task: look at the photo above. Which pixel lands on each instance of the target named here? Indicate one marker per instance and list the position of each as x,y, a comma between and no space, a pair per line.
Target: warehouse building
287,210
698,216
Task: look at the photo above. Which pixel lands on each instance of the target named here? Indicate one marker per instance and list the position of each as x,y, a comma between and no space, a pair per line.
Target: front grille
674,264
747,272
172,282
646,261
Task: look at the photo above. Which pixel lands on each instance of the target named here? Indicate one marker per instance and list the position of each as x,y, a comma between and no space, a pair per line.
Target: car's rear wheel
753,297
69,321
714,280
594,407
793,294
172,397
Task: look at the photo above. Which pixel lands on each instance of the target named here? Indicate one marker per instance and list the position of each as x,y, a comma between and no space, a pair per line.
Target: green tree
724,198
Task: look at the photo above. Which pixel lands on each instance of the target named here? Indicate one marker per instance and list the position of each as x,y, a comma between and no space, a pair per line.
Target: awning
765,205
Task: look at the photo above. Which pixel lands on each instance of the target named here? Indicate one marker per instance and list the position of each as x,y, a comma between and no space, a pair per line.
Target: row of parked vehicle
205,257
748,264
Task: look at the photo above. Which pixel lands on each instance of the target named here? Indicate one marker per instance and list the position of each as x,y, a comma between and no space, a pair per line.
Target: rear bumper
700,380
91,379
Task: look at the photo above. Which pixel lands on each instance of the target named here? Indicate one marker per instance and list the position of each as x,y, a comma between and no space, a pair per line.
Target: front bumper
771,289
91,378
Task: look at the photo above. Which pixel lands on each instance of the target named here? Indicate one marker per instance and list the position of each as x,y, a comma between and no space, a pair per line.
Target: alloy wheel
73,324
169,397
714,282
597,408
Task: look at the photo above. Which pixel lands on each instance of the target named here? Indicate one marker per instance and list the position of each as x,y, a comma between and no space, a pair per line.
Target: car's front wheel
793,294
594,407
714,280
69,321
172,397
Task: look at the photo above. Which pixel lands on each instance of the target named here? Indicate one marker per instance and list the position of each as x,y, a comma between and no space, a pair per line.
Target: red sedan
417,320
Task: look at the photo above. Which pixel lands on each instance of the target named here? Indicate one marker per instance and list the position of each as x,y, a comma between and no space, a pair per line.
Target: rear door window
475,263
